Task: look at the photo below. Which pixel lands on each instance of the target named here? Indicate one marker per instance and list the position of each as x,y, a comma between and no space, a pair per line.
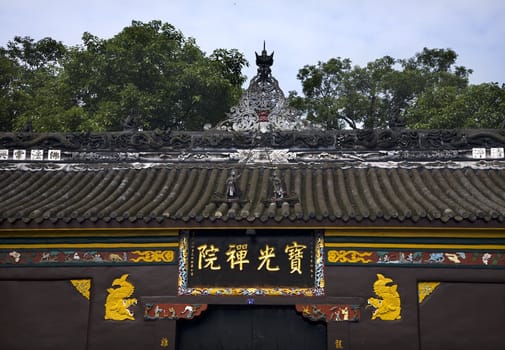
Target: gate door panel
463,316
250,328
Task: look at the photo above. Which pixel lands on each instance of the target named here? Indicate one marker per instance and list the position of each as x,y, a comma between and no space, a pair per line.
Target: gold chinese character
338,344
164,342
237,254
295,256
265,257
207,255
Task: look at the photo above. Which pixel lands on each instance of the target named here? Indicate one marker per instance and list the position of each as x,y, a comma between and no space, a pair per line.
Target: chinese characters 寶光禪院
237,257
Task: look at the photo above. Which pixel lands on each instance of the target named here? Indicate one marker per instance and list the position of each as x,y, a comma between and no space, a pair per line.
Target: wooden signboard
251,262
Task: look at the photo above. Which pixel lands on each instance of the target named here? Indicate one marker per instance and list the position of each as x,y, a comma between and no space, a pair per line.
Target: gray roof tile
186,195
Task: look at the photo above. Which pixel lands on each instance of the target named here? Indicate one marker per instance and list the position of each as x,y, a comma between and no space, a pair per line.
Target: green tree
477,106
427,90
331,97
147,76
153,74
29,81
9,92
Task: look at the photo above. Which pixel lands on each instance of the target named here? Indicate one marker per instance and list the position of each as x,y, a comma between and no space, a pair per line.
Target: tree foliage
29,82
427,90
151,76
147,76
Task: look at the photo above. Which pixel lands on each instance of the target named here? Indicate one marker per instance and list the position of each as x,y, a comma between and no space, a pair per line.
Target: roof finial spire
264,62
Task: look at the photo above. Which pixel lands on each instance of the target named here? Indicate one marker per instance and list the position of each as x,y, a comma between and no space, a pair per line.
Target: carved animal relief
118,300
387,305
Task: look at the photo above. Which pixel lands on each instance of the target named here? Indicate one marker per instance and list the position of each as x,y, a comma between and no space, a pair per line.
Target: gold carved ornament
387,305
348,256
118,302
154,256
83,286
164,342
426,288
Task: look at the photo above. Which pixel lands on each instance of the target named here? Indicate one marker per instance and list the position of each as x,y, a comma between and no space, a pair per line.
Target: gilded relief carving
118,300
349,256
154,256
387,305
426,288
83,286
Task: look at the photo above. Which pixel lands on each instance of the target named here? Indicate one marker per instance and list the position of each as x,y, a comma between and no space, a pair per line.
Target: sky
299,32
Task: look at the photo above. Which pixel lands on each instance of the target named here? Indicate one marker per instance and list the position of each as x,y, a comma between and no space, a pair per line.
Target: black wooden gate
250,328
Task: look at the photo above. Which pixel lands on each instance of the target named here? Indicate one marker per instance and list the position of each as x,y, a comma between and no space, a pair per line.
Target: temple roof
220,178
263,166
312,195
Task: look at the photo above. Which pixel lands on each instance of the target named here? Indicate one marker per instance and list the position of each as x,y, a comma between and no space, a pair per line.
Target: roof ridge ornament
263,106
264,62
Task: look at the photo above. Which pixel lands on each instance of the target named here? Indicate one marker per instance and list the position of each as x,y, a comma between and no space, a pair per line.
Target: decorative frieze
161,311
404,140
80,256
276,156
403,257
330,312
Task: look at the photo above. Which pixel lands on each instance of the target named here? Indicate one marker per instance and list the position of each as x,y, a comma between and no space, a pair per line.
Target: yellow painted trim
418,232
447,232
416,246
378,230
334,229
91,232
90,245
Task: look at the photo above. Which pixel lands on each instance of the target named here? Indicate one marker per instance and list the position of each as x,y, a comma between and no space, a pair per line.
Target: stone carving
278,190
217,140
263,106
276,156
